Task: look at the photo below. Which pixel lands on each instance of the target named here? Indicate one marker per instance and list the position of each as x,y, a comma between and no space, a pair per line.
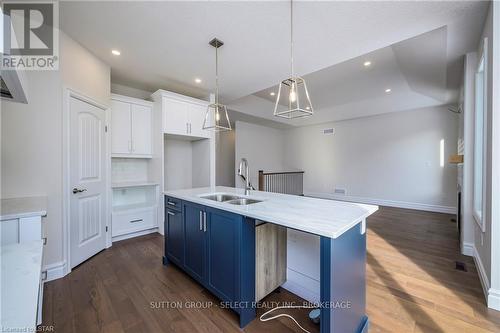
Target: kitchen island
213,240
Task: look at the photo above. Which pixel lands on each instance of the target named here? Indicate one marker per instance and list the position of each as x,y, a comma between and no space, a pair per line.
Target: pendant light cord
217,73
291,37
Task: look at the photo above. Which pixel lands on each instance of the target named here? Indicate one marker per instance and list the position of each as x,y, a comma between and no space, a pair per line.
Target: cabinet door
194,260
175,117
121,140
223,254
174,240
196,119
141,130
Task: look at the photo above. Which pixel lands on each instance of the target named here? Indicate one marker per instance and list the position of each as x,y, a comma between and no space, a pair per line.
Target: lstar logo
30,35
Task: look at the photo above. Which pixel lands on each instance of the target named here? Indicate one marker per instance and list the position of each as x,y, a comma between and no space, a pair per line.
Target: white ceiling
165,45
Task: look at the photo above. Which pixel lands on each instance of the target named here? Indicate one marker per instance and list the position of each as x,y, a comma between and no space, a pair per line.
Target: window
479,136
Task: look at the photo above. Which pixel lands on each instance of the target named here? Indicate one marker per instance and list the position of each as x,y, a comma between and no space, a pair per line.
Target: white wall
225,158
32,135
178,164
392,158
262,146
121,89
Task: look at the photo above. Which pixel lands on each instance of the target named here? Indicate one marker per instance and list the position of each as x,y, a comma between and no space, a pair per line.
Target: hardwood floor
412,286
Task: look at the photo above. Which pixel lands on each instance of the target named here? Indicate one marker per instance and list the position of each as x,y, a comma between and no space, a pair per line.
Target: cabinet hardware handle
76,190
135,221
201,221
187,128
44,240
190,128
171,213
129,145
204,221
171,203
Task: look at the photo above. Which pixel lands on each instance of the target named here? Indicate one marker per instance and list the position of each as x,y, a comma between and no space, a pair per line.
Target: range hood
12,86
12,82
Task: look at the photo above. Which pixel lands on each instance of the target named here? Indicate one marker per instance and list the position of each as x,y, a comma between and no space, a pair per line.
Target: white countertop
329,218
16,208
21,268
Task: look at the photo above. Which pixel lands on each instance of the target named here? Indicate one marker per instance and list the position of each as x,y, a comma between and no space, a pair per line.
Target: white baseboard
383,202
302,286
468,249
55,271
494,299
483,277
134,234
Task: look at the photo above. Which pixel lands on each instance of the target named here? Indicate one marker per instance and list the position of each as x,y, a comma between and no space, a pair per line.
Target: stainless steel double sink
231,199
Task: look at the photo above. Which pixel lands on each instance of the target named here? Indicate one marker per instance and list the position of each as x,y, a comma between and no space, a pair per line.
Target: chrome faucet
246,176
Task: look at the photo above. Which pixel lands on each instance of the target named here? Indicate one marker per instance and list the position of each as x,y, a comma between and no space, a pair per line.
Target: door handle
204,221
76,190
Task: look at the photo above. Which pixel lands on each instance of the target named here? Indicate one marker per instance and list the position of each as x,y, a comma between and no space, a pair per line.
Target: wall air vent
328,131
339,190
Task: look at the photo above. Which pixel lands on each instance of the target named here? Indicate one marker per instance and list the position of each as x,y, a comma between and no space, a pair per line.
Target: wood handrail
278,173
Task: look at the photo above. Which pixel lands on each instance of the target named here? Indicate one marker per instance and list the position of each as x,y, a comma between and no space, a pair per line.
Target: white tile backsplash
129,170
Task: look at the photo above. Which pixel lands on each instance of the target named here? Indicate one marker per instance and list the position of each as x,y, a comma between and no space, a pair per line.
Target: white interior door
87,180
141,129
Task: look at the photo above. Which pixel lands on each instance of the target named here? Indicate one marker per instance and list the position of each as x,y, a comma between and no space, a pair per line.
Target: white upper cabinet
120,127
196,119
175,116
182,115
131,127
141,129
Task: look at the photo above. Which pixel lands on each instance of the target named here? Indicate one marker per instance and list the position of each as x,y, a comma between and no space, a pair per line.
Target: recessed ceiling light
388,90
272,93
116,52
367,63
197,80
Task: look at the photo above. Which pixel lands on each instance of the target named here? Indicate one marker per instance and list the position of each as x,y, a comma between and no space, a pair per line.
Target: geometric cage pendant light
216,118
293,99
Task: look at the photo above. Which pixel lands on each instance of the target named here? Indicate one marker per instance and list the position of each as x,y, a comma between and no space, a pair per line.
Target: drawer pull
171,203
135,221
171,213
44,240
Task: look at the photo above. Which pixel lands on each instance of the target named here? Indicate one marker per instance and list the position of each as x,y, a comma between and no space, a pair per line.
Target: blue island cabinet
218,251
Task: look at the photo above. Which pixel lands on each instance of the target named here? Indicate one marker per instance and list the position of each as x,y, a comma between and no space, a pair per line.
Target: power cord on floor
286,315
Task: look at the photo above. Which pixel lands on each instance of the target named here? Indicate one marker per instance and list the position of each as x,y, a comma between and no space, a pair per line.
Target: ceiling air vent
328,131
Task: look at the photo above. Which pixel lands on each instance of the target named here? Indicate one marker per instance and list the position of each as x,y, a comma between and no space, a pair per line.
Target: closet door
121,140
141,130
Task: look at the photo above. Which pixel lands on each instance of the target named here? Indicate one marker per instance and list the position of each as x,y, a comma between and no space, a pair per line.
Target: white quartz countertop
21,268
16,208
329,218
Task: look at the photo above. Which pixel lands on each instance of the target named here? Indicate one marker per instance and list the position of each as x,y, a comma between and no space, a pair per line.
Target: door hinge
106,128
106,228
